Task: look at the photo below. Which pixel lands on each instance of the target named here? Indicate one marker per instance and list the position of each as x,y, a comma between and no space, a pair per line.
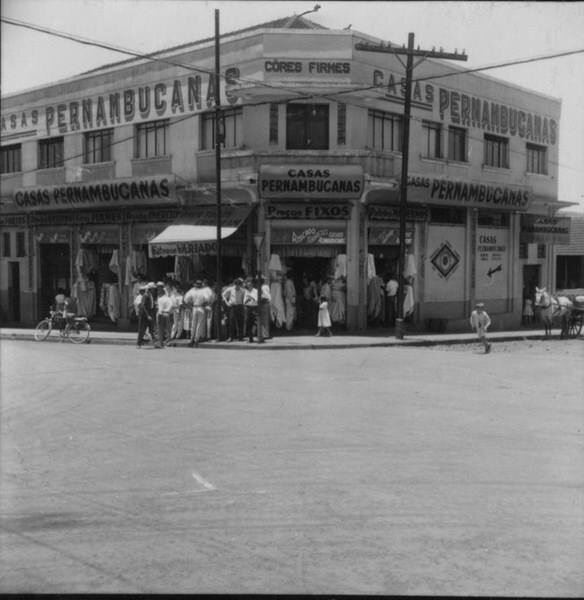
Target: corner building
101,172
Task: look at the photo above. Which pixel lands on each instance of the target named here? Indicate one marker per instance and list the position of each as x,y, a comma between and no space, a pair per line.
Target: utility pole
410,52
218,141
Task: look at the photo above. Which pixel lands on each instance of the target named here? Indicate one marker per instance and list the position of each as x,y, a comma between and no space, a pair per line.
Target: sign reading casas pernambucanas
122,192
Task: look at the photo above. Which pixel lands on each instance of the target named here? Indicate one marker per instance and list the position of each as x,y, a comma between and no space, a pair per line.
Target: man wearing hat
197,299
480,322
233,298
146,314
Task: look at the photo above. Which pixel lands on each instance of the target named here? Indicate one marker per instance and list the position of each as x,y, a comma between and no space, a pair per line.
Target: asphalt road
436,471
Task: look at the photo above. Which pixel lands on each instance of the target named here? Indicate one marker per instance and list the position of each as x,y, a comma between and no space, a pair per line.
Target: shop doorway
305,272
55,267
14,292
531,280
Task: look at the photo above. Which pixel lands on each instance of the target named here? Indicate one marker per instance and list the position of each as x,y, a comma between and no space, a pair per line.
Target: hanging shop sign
388,236
536,229
449,192
310,181
118,192
158,100
391,213
308,236
308,211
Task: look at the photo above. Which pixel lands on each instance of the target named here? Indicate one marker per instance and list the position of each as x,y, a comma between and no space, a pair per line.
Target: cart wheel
42,330
79,332
575,328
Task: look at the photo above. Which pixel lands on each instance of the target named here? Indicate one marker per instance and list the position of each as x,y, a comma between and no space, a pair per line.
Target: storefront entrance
55,265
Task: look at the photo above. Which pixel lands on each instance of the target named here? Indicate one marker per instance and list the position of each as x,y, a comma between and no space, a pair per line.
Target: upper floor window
20,244
231,128
6,244
457,144
432,139
536,159
51,153
274,123
385,131
97,146
307,127
11,159
341,124
496,151
151,139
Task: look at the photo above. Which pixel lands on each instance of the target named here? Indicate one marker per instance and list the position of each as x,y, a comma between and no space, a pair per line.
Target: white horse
553,308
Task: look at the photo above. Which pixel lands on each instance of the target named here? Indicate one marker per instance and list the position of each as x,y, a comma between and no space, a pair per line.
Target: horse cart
567,309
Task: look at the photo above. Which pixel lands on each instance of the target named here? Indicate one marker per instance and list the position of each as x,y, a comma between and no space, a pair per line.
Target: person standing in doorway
480,322
289,301
391,297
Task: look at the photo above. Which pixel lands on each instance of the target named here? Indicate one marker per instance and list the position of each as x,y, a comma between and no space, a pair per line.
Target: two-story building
110,176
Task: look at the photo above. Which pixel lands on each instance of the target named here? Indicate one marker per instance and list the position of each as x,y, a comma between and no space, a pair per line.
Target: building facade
101,171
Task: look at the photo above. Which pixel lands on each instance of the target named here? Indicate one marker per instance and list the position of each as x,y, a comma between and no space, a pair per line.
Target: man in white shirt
250,302
163,317
233,297
197,298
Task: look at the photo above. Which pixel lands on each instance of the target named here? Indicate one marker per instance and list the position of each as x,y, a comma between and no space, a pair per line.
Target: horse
552,308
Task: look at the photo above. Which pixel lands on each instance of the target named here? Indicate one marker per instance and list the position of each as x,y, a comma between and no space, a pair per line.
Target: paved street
357,471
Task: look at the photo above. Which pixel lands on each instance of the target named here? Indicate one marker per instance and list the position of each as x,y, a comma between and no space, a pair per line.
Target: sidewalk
303,342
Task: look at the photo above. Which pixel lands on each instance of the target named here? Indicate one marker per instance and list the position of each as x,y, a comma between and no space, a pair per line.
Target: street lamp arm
293,19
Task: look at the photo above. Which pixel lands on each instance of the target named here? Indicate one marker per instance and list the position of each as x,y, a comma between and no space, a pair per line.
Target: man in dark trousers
233,298
147,315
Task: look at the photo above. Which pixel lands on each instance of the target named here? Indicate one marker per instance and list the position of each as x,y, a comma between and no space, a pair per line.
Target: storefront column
356,270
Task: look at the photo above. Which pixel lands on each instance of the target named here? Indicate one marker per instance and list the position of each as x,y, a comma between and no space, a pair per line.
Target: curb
274,345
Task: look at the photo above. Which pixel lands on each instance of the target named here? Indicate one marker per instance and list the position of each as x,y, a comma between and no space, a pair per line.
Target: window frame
20,244
386,125
496,151
51,153
341,124
92,150
536,153
302,126
454,151
438,143
231,128
158,130
11,159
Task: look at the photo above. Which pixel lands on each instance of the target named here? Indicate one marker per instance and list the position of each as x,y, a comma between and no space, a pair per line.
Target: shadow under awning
195,232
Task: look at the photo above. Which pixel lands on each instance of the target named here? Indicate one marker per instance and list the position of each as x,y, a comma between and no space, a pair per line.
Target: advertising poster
445,264
492,263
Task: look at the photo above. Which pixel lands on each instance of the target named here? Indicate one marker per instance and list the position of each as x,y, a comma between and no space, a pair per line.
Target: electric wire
297,93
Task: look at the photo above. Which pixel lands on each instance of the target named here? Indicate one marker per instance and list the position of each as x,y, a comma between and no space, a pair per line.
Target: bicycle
76,329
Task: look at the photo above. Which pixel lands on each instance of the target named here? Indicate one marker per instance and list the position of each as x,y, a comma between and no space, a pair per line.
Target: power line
298,94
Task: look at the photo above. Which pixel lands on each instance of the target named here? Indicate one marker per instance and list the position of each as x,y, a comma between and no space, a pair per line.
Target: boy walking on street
480,321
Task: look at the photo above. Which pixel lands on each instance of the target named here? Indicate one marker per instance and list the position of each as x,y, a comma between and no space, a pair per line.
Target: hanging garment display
114,265
340,266
338,300
277,308
371,272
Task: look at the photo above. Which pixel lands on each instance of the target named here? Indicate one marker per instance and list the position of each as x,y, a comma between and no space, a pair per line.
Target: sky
489,32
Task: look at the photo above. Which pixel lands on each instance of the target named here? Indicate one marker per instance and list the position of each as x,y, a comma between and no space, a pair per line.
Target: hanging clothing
341,266
338,301
114,265
289,293
110,301
375,293
409,301
277,307
370,267
84,293
410,270
275,264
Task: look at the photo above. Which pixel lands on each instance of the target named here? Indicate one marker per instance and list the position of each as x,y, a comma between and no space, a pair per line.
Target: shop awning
196,232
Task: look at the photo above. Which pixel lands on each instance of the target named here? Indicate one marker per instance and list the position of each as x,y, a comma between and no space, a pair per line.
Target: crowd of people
166,312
